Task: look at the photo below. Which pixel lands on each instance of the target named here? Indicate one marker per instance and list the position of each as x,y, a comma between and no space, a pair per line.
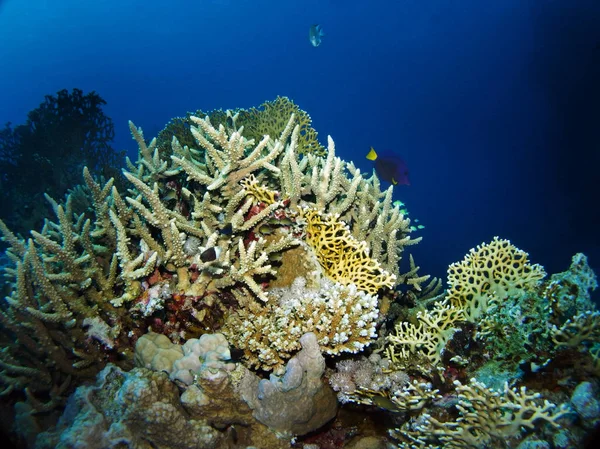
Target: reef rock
138,409
297,402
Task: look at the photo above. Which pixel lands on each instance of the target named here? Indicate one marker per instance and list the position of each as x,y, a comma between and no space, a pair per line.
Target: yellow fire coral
492,268
486,416
426,340
257,191
343,258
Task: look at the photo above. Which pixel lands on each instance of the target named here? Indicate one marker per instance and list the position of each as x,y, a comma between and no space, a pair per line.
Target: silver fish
315,34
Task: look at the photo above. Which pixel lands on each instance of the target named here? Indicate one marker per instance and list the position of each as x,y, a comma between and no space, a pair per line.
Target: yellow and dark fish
315,33
390,167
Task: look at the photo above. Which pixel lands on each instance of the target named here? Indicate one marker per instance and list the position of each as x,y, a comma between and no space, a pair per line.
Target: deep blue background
495,105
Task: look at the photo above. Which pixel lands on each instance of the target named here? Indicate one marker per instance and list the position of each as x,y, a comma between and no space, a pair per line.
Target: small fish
275,257
210,254
285,221
230,123
265,230
236,355
390,167
398,203
170,195
385,403
227,229
315,33
420,227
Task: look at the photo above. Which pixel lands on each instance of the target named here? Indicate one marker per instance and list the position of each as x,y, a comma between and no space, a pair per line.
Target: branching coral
62,279
427,339
342,317
485,415
270,119
583,327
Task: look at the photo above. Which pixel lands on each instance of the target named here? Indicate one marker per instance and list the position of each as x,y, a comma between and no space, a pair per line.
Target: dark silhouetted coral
47,153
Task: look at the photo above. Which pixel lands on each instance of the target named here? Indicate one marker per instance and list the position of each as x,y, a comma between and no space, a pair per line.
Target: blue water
495,105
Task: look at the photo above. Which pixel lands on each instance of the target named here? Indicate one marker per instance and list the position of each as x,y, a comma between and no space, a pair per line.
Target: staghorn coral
57,310
270,118
269,191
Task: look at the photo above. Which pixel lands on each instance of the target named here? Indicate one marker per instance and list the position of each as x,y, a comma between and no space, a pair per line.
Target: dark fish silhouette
390,167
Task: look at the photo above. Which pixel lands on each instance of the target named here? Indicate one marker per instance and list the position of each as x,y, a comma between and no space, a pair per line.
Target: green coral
270,118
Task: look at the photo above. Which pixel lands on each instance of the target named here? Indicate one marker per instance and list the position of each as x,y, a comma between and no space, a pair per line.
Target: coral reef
485,416
241,259
496,268
270,119
343,319
499,324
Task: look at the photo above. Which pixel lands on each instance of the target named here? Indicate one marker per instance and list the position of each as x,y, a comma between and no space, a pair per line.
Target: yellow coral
257,191
487,415
492,268
343,258
425,340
